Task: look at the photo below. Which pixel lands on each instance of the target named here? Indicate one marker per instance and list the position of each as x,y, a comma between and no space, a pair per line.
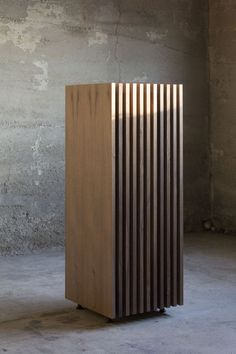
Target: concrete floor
35,317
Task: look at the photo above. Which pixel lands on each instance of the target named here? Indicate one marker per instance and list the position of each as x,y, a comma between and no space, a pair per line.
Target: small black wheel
162,310
110,320
79,307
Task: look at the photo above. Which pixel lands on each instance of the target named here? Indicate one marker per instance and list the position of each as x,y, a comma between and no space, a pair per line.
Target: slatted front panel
148,203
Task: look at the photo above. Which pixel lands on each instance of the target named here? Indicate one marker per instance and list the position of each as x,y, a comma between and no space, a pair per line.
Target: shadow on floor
73,319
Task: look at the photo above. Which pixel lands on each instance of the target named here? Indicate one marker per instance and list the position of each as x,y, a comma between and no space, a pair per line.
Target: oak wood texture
89,237
124,197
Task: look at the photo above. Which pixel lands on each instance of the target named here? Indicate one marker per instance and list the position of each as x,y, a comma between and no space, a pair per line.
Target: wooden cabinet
124,197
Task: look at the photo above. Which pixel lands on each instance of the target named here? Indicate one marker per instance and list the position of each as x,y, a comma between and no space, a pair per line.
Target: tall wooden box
124,197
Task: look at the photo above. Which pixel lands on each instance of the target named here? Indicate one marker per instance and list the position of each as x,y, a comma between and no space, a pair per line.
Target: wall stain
41,80
97,38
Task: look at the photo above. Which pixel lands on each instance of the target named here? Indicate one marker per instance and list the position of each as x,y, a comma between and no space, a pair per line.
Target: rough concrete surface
222,44
49,43
35,317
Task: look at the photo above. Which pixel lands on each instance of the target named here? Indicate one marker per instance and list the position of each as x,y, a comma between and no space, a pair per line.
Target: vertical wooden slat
161,195
167,195
117,197
120,199
128,247
174,195
134,196
140,137
113,117
154,209
147,206
180,194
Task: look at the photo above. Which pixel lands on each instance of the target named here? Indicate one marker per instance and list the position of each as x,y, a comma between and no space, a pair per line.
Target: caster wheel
79,307
109,320
163,310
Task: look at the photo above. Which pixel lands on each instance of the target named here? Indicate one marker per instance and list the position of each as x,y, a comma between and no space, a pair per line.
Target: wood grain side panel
89,242
71,289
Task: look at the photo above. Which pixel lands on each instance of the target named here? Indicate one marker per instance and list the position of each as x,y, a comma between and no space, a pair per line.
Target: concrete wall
222,22
47,44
